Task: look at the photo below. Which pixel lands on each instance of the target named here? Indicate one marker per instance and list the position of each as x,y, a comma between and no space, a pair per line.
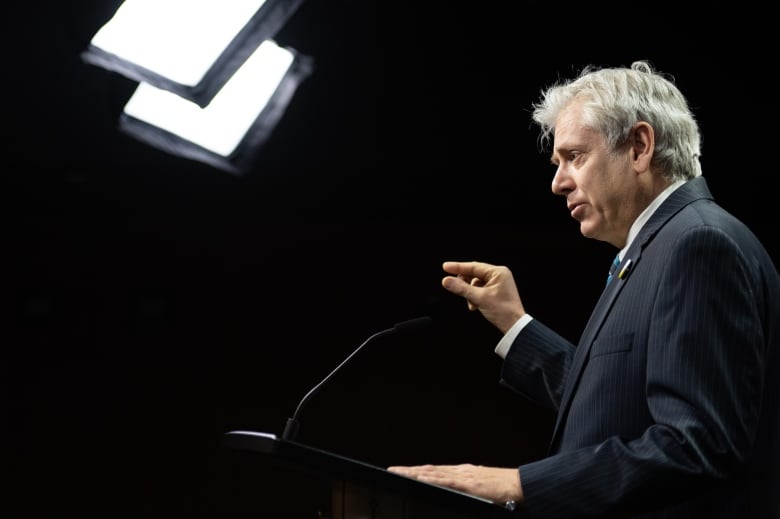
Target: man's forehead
574,135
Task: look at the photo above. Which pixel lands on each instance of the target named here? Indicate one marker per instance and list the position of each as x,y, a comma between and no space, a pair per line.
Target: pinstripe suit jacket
668,406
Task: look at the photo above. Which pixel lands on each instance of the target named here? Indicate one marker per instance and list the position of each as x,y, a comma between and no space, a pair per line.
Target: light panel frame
240,160
263,25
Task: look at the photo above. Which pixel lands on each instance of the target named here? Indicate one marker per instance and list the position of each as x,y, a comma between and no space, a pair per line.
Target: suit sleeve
537,365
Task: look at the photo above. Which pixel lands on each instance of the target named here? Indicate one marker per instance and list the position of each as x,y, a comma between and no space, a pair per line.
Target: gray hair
616,99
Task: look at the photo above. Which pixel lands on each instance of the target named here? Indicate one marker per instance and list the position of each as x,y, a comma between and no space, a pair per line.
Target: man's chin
590,232
587,231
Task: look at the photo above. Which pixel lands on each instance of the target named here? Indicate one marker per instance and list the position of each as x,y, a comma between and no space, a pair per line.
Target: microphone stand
293,425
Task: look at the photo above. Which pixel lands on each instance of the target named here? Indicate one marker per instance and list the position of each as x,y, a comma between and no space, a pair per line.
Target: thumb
461,288
455,285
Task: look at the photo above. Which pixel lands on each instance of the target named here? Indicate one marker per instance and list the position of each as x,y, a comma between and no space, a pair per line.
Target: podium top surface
333,467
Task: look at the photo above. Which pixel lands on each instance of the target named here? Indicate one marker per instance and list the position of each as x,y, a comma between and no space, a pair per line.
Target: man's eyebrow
557,152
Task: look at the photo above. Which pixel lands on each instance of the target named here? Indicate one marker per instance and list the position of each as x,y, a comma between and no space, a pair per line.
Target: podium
286,479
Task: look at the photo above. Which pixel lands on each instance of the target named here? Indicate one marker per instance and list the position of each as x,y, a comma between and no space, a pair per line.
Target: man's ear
642,145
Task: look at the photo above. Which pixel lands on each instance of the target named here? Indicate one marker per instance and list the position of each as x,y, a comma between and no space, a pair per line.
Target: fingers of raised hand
476,282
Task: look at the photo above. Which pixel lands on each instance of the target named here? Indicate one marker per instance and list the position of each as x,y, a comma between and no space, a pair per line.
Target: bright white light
220,126
177,39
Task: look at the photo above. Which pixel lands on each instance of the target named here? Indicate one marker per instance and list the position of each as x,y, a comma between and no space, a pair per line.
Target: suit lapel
694,189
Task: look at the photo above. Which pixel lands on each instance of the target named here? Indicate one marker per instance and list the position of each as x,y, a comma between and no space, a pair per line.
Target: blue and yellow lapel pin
626,270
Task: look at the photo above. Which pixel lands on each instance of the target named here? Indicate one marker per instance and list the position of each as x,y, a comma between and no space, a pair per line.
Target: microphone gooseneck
292,425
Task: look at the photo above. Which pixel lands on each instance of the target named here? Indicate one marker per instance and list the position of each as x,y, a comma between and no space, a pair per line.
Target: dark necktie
613,268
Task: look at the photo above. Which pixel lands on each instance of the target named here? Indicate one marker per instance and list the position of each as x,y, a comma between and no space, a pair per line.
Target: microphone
292,425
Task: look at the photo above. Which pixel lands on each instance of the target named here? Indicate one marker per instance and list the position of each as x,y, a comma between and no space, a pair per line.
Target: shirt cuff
509,337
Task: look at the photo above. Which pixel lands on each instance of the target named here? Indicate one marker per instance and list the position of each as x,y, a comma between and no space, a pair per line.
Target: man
668,406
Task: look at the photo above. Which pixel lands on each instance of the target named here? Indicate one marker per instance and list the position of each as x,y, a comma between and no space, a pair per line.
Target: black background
155,303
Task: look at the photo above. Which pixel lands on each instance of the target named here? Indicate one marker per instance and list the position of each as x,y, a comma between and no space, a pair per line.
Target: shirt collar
645,215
